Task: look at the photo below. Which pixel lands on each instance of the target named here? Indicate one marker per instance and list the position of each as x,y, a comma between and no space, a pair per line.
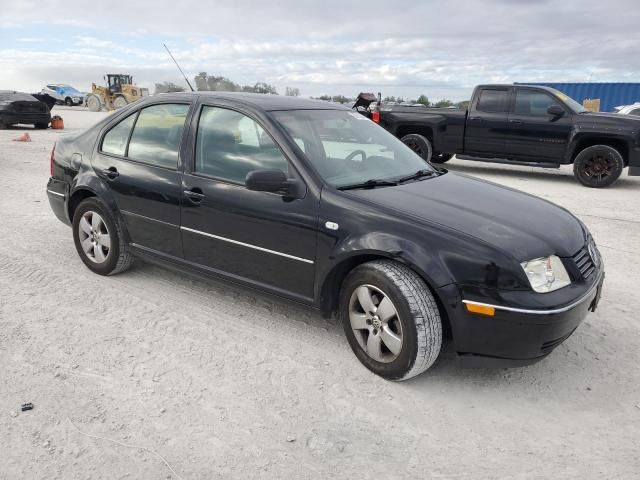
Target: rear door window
157,134
115,141
493,101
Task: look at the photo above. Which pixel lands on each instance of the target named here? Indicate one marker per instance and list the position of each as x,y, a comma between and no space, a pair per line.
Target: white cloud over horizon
402,48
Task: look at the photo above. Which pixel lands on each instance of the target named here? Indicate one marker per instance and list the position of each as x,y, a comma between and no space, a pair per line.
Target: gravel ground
225,383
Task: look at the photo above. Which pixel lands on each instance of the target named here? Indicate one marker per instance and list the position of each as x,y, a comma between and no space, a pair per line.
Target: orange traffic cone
25,137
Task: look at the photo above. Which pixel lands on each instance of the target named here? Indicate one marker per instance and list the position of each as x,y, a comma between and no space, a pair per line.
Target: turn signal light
375,116
481,309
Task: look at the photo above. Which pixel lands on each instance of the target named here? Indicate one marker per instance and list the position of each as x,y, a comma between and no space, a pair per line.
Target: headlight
546,274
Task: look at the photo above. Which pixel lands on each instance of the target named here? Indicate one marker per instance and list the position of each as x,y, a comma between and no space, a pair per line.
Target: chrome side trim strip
56,193
539,312
248,245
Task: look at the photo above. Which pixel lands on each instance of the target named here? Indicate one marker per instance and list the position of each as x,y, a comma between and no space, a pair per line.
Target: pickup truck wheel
419,144
441,157
391,319
598,166
68,102
99,239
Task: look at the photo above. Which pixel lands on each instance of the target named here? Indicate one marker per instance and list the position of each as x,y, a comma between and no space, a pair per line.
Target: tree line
206,82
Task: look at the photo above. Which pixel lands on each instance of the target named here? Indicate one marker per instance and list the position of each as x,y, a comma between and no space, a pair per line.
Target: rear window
493,101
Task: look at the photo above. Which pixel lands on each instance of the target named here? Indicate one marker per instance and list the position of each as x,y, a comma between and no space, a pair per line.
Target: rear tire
419,144
441,157
99,238
41,125
391,319
598,166
94,104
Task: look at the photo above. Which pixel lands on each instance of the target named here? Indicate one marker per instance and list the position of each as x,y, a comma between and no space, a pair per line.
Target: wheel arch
586,141
424,130
332,284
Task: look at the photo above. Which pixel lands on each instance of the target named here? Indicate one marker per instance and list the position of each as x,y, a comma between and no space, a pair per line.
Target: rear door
487,123
534,135
259,238
138,159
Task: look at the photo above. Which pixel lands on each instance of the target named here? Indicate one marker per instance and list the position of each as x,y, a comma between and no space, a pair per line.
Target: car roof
509,85
265,101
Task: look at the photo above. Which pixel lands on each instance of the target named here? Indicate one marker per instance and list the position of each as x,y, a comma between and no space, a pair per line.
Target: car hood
519,224
604,118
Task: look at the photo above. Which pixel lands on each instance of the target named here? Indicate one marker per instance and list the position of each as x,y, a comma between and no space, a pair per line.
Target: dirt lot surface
225,383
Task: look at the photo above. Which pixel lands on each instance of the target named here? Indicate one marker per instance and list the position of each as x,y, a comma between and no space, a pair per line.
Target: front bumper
514,336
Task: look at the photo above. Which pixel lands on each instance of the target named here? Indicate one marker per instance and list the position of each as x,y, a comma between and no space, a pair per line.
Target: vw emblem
593,253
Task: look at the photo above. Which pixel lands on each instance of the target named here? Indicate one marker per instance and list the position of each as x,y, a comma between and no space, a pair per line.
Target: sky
402,48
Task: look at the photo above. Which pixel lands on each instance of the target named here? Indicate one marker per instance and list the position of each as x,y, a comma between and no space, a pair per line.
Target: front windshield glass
570,102
347,148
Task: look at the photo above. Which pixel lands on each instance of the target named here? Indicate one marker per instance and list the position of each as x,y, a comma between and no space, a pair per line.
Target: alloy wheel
94,237
375,323
598,167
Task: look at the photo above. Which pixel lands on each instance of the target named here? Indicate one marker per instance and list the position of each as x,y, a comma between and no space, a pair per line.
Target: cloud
401,48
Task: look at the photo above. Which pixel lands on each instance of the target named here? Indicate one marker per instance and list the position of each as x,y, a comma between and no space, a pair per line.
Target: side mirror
274,181
555,110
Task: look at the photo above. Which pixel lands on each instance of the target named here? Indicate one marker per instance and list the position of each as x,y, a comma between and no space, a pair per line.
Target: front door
486,127
138,160
259,238
535,135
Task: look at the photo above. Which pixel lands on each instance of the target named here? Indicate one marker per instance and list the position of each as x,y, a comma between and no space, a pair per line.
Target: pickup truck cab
522,125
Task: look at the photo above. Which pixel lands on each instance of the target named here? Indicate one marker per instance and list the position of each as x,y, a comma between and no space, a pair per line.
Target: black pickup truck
521,125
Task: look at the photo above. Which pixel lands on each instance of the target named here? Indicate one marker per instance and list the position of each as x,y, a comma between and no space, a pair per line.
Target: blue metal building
611,95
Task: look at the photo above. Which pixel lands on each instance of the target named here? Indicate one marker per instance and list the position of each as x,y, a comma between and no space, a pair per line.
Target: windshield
347,148
570,102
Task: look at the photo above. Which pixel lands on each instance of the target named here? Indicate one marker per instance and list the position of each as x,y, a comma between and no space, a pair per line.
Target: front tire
598,166
94,103
68,102
391,319
99,239
419,144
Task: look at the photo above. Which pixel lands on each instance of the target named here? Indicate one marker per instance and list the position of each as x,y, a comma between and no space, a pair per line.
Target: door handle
475,119
110,173
195,195
516,122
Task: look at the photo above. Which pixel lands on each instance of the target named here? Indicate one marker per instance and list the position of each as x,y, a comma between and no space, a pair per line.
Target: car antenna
174,61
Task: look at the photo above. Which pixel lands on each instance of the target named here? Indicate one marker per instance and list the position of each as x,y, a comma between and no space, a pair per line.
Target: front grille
587,259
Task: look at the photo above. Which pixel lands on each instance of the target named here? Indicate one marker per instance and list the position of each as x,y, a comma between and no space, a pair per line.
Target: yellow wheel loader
118,92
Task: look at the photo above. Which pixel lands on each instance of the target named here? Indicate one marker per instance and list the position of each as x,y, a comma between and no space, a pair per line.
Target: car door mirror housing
555,111
274,181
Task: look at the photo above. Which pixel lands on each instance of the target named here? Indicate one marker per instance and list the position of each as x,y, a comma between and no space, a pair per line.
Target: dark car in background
521,125
22,108
314,203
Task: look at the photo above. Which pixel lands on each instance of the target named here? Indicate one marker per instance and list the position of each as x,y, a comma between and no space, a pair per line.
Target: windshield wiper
418,174
372,183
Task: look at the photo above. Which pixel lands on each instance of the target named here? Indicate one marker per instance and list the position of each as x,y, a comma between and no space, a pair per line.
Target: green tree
262,87
423,100
166,87
444,103
201,81
292,92
463,104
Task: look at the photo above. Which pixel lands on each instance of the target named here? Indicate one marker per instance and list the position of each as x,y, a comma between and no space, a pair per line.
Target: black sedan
17,107
312,202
